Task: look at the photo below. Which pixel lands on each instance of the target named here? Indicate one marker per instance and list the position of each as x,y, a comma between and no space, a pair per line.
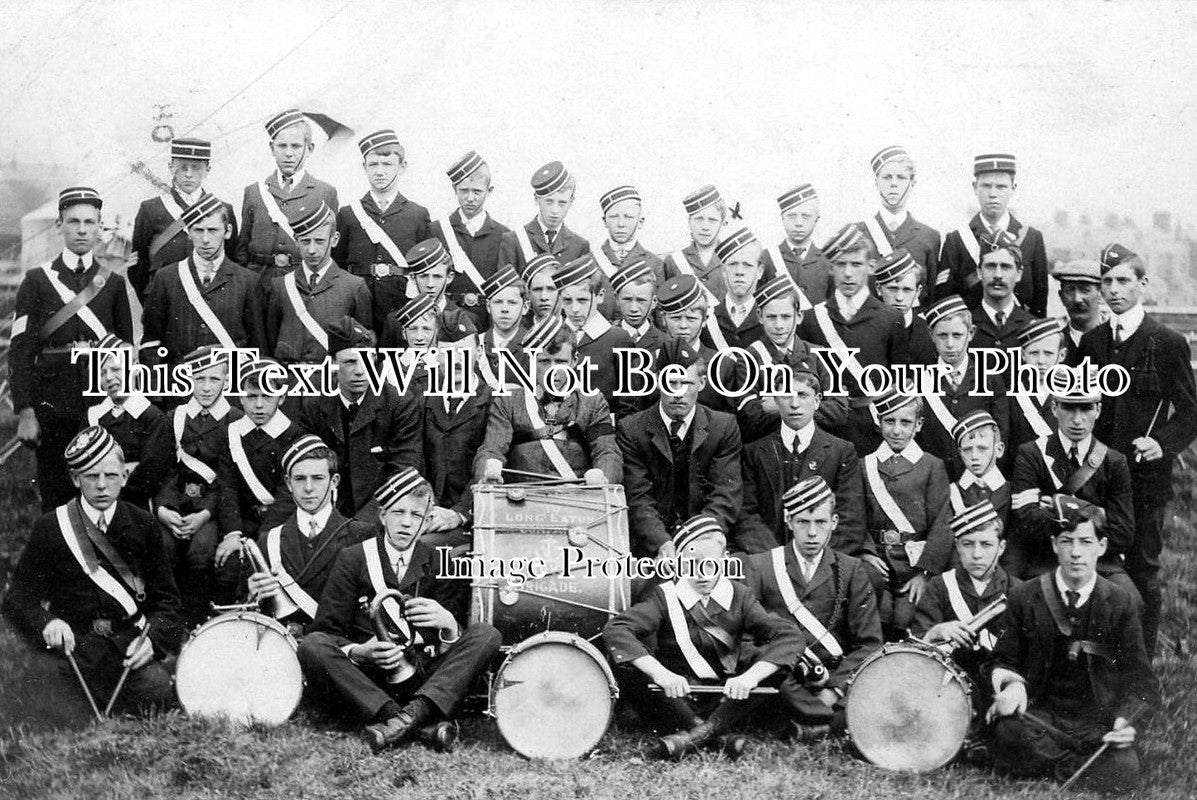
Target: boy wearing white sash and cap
623,217
506,303
853,318
827,594
350,668
553,190
954,597
93,575
1042,344
803,261
951,331
907,510
190,495
893,227
477,237
736,314
138,426
581,294
430,271
537,275
999,316
204,299
159,231
635,288
301,304
250,473
689,632
980,446
301,551
706,213
416,328
69,301
994,184
379,227
550,433
267,242
899,281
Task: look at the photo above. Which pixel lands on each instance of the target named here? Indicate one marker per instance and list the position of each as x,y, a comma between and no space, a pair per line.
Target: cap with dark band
205,358
347,333
198,149
792,198
694,529
1114,254
305,447
1071,511
265,369
577,271
974,518
618,195
538,263
89,447
734,243
894,266
679,293
110,341
206,206
890,402
503,279
399,485
383,138
463,167
806,495
675,352
1039,329
283,120
774,290
971,423
312,220
75,195
1078,394
994,162
1078,271
701,198
886,155
952,304
415,309
630,273
424,256
543,332
552,177
844,239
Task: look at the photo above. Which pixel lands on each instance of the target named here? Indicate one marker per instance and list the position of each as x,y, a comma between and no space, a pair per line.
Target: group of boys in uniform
857,518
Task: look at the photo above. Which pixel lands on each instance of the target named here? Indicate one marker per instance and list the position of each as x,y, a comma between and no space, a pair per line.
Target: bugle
281,606
378,617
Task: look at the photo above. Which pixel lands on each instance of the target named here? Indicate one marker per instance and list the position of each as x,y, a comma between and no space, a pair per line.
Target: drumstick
716,689
1151,427
94,708
138,642
540,475
1096,755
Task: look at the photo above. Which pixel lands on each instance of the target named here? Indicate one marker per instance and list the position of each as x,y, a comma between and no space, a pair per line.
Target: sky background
1097,100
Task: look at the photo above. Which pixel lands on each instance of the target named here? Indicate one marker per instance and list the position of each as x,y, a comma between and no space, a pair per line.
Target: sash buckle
101,627
891,538
282,260
381,270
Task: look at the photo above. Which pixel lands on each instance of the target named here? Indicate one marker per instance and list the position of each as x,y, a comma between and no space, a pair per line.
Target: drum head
908,710
552,700
242,668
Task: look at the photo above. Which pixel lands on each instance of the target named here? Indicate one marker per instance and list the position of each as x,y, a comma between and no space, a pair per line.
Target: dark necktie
1118,333
313,278
1000,317
1074,456
549,236
348,413
286,184
1073,609
675,433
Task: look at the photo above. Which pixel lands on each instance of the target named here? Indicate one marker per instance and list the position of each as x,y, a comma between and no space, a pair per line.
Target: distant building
24,186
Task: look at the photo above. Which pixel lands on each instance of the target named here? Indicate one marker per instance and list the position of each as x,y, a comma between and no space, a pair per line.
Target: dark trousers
1025,750
668,715
53,479
802,704
361,691
1143,563
200,582
147,689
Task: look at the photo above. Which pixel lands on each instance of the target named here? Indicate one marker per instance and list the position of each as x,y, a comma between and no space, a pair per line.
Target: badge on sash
282,260
469,299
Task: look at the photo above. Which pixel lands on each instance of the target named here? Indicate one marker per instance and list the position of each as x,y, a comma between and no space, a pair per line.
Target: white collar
892,221
748,303
912,452
384,199
303,520
958,371
134,405
627,248
721,594
345,401
394,555
94,513
473,224
980,586
992,479
314,278
854,302
72,261
1084,592
501,342
803,435
218,409
296,179
803,562
1082,446
991,310
596,325
800,250
545,228
907,317
1130,320
1002,224
213,265
685,422
275,426
189,199
636,333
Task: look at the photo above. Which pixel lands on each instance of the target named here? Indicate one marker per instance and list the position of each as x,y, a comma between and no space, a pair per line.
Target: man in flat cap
69,301
1080,294
160,234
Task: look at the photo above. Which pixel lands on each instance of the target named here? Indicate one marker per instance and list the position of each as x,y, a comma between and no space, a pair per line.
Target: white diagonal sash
374,570
969,240
884,248
711,324
99,576
1038,423
274,211
288,585
191,462
761,351
836,342
797,609
375,233
941,412
301,310
521,236
237,451
681,632
1048,461
774,251
600,258
985,638
174,209
461,261
196,298
956,497
884,498
84,313
547,443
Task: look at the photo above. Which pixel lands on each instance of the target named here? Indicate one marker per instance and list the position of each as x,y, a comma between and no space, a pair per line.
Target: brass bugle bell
281,605
378,616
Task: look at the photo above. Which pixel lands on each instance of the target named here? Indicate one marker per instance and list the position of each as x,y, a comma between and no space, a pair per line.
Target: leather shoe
735,746
389,732
441,736
809,733
677,745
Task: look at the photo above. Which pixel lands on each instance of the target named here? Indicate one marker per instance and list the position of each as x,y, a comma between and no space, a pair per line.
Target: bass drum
553,696
526,521
241,667
909,707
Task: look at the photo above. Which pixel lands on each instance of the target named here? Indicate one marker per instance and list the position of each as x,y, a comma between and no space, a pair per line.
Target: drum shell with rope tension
241,667
527,521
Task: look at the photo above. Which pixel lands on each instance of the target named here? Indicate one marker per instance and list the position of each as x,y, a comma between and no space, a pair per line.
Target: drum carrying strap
461,261
376,234
681,632
374,569
191,462
711,324
305,317
985,638
779,263
1097,454
170,231
800,612
836,342
884,248
1033,416
75,304
547,442
237,450
70,521
274,552
274,212
1059,615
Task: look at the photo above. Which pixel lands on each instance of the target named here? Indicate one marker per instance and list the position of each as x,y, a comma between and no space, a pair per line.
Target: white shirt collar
980,586
94,513
685,422
345,401
799,250
596,325
1084,592
501,342
853,303
190,199
627,248
803,435
134,405
192,408
1082,446
473,224
296,179
912,452
748,303
808,567
893,221
394,556
957,371
275,426
1002,224
1130,320
384,199
991,311
634,332
315,278
993,479
202,264
721,594
304,520
72,261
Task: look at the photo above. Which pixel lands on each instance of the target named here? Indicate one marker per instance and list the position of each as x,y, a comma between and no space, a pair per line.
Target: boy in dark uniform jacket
429,268
999,317
980,447
1030,408
906,512
138,426
1153,422
893,228
47,389
960,259
290,192
954,597
689,632
376,230
159,231
796,450
899,279
346,664
188,502
827,593
416,328
623,216
478,236
706,214
735,314
1073,655
808,268
537,275
506,304
635,287
553,190
301,551
580,293
93,575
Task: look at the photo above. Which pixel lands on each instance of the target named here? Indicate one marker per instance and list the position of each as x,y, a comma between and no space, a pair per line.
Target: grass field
48,748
